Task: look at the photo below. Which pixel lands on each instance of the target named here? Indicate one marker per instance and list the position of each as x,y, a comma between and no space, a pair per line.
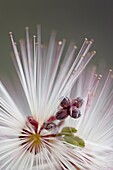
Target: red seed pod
49,125
61,114
78,102
65,103
75,112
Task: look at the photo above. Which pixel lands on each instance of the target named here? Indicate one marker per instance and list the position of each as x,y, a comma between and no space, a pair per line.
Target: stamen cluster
69,108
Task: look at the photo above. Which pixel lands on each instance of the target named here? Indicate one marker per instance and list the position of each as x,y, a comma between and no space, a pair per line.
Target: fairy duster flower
59,115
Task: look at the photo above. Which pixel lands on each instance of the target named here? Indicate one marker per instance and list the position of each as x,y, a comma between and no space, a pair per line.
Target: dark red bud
51,119
75,113
65,103
61,114
49,125
78,102
33,122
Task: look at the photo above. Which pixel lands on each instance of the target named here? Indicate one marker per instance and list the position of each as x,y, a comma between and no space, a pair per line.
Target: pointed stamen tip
86,39
94,52
34,36
10,33
82,56
96,75
75,47
110,70
99,77
27,28
91,41
60,43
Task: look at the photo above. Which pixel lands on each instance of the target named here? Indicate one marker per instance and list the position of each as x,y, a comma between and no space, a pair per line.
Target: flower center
30,141
35,140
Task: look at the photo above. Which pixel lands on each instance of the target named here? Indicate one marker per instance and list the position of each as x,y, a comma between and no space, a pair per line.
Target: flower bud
61,114
65,103
75,113
78,102
32,121
49,125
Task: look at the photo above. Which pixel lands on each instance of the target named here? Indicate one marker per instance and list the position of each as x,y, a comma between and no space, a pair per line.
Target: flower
59,116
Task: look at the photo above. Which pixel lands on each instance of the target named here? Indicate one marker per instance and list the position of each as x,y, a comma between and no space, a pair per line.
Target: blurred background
72,19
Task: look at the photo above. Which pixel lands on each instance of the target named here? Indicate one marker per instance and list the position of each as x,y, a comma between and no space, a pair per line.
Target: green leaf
64,134
71,140
68,130
80,141
74,140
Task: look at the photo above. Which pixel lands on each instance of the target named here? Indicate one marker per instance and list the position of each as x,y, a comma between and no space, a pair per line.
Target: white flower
33,133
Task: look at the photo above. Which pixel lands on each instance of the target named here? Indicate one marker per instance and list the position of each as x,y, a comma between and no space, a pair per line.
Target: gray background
73,20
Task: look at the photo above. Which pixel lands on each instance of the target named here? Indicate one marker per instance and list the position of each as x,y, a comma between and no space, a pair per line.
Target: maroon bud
65,103
78,102
51,119
33,122
61,114
49,125
75,112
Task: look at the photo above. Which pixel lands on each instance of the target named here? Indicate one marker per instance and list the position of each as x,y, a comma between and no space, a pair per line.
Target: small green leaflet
74,140
69,130
68,136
